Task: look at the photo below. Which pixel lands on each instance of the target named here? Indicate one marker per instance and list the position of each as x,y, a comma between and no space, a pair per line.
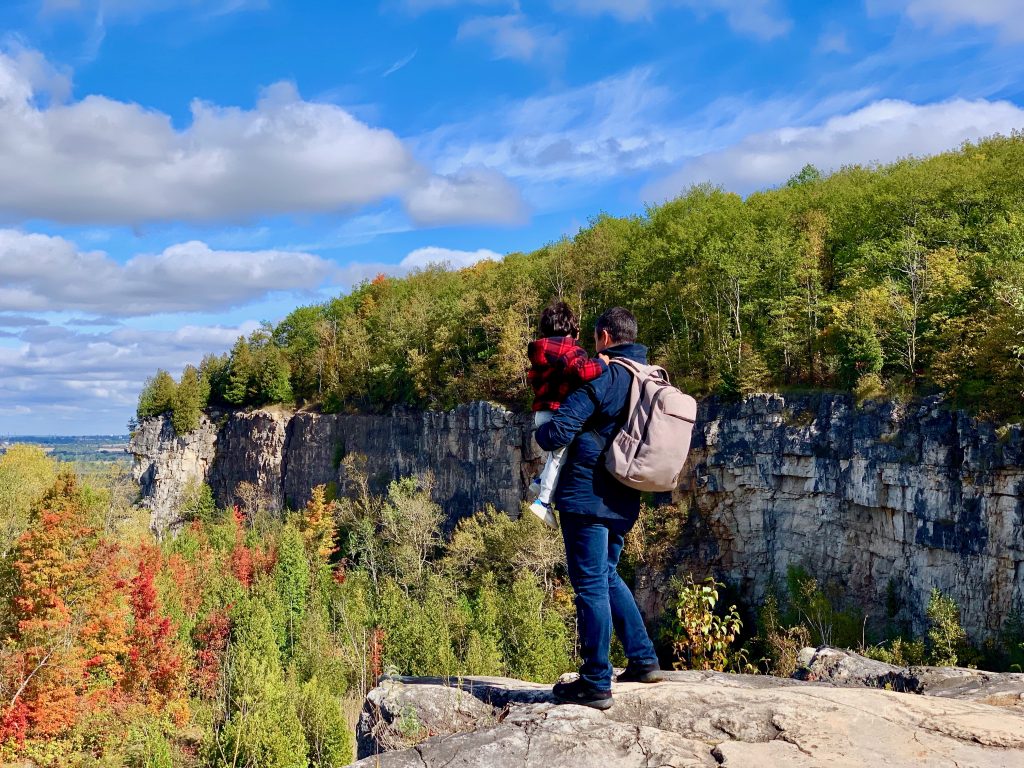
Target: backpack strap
642,372
641,375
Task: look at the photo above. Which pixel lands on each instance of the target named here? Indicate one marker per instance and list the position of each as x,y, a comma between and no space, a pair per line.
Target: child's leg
541,418
549,475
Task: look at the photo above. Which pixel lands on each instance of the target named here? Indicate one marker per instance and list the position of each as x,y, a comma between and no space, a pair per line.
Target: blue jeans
592,549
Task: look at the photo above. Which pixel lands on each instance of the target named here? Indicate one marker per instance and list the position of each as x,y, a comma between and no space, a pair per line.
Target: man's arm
567,421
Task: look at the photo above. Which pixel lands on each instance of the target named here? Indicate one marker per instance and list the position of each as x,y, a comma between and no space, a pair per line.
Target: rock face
886,502
165,464
690,719
478,453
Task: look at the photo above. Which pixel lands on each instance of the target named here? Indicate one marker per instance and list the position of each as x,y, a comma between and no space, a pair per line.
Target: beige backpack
648,453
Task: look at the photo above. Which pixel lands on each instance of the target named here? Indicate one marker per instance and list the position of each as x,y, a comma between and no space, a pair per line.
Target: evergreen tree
239,389
190,398
157,395
483,648
291,580
215,370
260,725
323,722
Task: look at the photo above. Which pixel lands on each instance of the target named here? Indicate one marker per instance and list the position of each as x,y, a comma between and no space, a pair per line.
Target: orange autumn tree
70,631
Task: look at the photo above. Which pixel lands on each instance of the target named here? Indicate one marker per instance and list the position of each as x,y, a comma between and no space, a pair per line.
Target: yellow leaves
703,639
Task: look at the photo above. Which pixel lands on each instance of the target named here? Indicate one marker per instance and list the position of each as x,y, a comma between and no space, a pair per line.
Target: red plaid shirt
558,365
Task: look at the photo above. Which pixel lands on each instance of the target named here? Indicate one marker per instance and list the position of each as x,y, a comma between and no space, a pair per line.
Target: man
596,512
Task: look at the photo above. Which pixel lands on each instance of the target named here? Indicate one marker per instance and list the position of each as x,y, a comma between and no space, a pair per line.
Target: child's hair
558,320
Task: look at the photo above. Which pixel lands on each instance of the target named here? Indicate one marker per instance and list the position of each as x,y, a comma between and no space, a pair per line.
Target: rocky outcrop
166,464
690,719
845,668
884,502
479,454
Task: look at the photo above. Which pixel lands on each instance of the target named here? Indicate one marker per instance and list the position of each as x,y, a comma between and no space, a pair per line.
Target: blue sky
172,172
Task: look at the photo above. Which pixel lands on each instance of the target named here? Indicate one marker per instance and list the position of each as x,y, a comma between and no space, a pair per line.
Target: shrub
323,723
869,387
782,644
701,639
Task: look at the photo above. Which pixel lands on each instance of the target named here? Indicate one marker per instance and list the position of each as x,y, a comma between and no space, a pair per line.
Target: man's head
615,326
558,320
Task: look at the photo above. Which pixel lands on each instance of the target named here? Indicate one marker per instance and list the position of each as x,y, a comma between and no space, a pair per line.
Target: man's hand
605,357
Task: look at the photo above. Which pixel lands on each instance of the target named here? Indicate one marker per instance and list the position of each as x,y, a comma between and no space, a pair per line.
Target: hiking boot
533,491
579,692
543,511
640,673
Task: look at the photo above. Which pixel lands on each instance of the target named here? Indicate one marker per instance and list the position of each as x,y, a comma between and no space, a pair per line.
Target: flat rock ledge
689,719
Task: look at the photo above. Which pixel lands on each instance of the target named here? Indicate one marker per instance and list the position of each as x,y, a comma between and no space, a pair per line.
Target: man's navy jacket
586,422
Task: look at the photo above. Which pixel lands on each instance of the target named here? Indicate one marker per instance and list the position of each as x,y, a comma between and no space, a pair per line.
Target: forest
889,281
251,637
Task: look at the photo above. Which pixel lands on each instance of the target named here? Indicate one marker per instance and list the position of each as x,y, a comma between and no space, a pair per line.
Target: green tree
483,646
260,725
291,579
26,473
157,396
323,722
190,398
946,636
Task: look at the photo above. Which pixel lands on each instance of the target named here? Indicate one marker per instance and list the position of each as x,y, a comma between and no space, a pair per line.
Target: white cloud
44,273
833,42
472,194
402,63
1007,16
422,6
512,37
449,258
135,9
596,131
880,132
98,160
755,18
624,10
57,380
453,259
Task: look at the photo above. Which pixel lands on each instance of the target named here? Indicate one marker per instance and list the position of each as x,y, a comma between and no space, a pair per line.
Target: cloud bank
40,273
102,161
880,132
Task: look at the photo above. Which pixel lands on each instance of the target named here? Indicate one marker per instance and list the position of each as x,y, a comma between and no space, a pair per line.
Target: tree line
889,280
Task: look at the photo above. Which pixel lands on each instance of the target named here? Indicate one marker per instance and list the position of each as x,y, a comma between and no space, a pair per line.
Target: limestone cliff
885,501
479,454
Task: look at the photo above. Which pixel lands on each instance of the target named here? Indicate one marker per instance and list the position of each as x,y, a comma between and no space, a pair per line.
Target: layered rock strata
479,454
880,503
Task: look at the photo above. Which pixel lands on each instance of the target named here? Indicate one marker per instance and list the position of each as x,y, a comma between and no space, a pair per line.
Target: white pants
553,465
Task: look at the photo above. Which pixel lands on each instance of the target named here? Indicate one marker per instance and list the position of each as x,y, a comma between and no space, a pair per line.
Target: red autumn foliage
211,638
154,661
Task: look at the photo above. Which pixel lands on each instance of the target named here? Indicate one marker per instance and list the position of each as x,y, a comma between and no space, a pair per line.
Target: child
558,365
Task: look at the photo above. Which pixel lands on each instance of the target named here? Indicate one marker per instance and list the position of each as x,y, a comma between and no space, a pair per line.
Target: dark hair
620,324
558,320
